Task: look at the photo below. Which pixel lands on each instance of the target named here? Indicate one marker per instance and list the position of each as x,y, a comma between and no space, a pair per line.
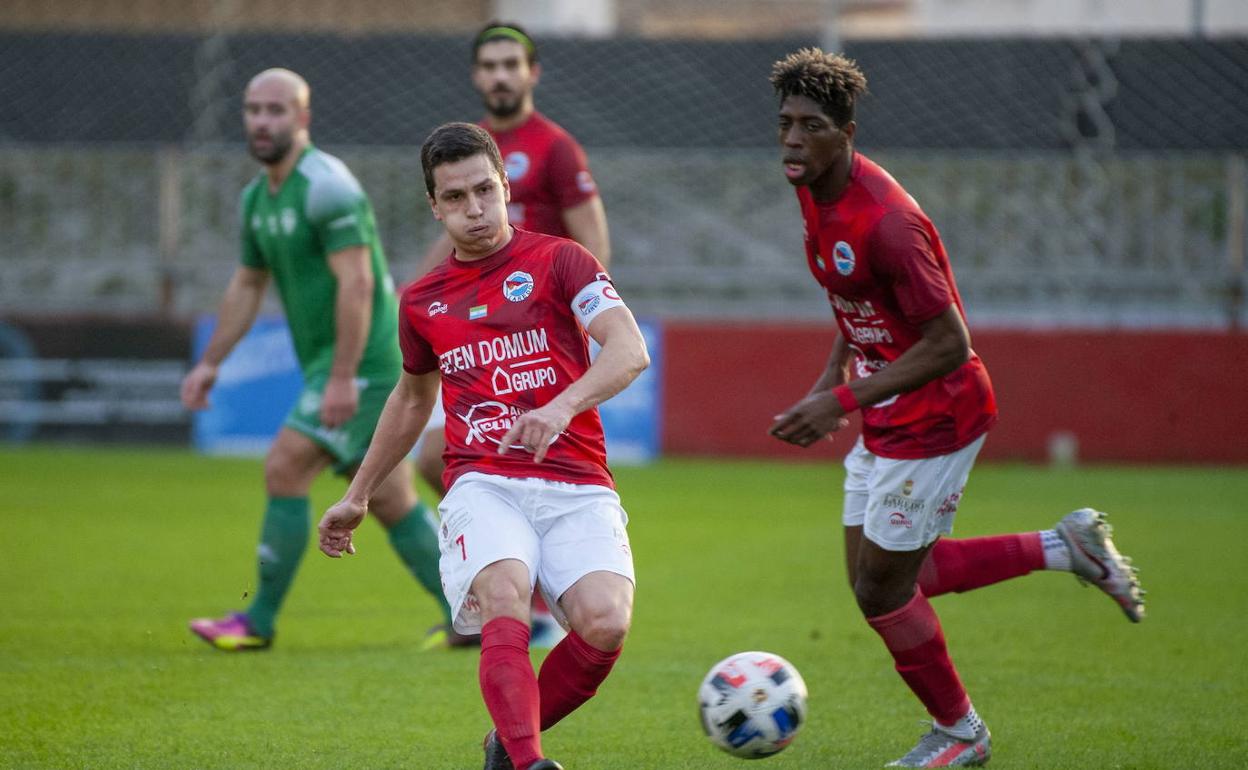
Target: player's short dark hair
828,79
450,142
504,30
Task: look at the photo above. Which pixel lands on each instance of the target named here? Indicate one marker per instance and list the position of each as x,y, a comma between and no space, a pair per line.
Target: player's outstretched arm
237,312
403,418
622,358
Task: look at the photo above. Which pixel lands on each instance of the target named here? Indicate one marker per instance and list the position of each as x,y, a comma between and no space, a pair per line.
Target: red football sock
964,565
570,676
912,634
509,688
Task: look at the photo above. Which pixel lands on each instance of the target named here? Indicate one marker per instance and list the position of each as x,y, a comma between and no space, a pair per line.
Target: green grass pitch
107,553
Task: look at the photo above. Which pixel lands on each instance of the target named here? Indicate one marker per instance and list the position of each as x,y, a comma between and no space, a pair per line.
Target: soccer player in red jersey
926,401
502,325
552,192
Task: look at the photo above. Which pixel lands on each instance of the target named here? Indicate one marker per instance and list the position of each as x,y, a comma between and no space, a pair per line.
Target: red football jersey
886,273
508,334
547,171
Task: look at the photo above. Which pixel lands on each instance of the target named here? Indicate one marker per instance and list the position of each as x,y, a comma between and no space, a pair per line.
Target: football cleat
544,631
1095,560
545,764
940,749
495,755
232,633
443,636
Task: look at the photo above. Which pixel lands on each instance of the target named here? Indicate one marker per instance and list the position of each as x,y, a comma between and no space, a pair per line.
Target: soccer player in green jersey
308,225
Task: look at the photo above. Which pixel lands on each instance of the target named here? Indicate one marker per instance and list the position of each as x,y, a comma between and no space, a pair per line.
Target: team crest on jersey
288,220
517,165
843,258
518,286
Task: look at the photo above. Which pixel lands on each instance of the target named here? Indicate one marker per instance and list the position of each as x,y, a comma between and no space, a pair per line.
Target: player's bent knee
605,631
502,590
286,476
601,619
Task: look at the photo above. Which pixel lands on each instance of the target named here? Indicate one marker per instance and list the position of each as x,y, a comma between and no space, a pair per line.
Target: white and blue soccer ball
752,704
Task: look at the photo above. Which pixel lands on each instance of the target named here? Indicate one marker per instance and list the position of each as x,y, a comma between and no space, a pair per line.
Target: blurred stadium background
1086,163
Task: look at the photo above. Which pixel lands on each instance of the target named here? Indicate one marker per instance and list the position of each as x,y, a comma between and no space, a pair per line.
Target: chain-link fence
1074,182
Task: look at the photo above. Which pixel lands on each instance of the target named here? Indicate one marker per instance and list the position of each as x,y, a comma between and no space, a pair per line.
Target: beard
502,104
276,152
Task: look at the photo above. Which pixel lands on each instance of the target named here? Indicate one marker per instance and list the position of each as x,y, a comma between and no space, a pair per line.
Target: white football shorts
904,505
560,531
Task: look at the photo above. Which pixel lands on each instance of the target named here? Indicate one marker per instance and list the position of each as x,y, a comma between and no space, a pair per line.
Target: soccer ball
752,704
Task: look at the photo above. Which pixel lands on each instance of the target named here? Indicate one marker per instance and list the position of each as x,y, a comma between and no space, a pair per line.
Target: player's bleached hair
504,30
450,142
829,79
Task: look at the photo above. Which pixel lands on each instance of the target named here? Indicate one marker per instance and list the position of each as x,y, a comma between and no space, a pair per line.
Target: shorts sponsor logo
843,258
905,504
517,165
518,286
949,504
437,307
897,519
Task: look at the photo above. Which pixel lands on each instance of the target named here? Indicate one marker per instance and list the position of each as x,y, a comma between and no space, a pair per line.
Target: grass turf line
111,551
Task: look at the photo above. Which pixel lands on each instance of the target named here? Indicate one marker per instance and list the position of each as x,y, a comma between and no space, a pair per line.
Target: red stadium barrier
1124,395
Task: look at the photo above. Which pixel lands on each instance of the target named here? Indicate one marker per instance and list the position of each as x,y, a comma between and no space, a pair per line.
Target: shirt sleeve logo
585,182
437,307
843,257
588,303
518,286
517,165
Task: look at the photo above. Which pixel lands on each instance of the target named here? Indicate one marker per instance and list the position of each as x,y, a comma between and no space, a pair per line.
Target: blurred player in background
927,406
501,325
307,224
552,192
